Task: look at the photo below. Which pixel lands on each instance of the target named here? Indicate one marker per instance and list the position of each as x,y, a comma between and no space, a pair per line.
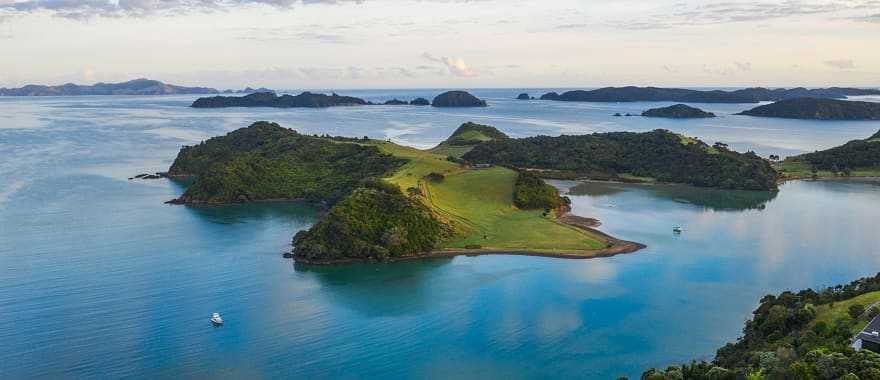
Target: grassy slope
480,203
840,310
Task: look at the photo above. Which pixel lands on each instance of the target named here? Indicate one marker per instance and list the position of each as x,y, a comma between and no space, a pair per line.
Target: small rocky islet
678,111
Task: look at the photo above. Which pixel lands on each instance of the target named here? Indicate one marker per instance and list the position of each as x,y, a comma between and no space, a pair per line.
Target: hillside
858,158
466,137
133,87
655,94
803,335
659,155
818,109
270,99
265,161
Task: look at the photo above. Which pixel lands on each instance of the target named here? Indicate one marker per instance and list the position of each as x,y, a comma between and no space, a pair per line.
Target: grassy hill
478,204
466,137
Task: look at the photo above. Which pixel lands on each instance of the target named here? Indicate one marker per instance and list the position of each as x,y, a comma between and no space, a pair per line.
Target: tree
856,311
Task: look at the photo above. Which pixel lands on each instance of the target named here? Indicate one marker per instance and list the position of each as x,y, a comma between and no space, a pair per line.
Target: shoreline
616,247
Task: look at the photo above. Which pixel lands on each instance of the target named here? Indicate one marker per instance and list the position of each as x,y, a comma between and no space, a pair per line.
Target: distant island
313,100
133,87
797,335
248,90
524,96
270,99
457,99
656,94
857,158
678,111
818,109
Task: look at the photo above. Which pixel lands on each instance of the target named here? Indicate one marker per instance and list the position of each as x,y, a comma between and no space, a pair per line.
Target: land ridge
140,86
659,94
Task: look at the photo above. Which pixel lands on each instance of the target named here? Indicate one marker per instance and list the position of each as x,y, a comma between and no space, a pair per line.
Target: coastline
616,247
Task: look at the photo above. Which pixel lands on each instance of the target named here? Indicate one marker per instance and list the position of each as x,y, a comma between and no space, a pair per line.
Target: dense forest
375,222
531,192
785,340
856,154
660,155
818,109
678,111
265,161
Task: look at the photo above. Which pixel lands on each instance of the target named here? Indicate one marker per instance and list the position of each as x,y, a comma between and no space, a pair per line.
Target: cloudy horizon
435,43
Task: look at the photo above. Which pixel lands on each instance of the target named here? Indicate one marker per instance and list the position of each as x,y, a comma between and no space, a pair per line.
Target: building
869,338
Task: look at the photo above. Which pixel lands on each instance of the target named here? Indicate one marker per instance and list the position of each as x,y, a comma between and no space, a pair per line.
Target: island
396,102
390,202
678,111
818,109
457,99
656,156
133,87
270,99
420,102
524,96
799,335
656,94
857,158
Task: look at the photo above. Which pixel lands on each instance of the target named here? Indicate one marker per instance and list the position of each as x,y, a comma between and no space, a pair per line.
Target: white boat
215,319
676,229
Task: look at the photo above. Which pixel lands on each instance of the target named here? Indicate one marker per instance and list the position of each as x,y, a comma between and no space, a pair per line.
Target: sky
319,44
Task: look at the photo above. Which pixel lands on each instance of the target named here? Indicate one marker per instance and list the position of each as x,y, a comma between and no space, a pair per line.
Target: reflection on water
715,199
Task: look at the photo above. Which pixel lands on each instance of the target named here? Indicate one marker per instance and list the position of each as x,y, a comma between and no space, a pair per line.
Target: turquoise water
101,279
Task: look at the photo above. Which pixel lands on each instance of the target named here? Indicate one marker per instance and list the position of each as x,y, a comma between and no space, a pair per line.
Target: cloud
85,9
724,12
456,66
286,34
840,64
743,66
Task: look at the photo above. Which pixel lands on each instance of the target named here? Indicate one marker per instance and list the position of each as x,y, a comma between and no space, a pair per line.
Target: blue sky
437,43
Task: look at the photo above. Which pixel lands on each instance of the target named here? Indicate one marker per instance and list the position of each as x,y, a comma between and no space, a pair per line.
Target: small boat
676,229
215,319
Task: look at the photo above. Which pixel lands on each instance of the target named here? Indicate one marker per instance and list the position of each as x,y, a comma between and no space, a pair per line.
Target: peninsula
857,158
132,87
656,94
391,202
818,109
678,111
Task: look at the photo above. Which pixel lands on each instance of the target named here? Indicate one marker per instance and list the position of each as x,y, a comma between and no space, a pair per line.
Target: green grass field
479,204
797,169
840,310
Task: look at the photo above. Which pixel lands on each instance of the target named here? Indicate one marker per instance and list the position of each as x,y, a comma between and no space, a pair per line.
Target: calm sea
100,279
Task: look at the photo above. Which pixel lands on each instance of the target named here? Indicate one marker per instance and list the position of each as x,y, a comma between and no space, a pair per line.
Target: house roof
866,333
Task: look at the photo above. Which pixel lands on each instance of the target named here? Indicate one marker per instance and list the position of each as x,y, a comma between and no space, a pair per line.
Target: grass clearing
798,169
479,204
840,310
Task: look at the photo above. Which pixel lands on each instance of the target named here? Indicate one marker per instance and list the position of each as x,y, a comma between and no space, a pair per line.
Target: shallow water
101,279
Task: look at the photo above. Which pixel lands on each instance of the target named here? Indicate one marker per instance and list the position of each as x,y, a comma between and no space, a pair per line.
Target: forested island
857,158
270,99
313,100
748,95
132,87
803,335
678,111
818,109
634,157
388,202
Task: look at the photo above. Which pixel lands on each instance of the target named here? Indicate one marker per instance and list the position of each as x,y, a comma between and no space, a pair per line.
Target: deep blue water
100,279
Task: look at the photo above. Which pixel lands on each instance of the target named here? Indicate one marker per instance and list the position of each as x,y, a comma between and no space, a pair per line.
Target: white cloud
84,9
456,66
